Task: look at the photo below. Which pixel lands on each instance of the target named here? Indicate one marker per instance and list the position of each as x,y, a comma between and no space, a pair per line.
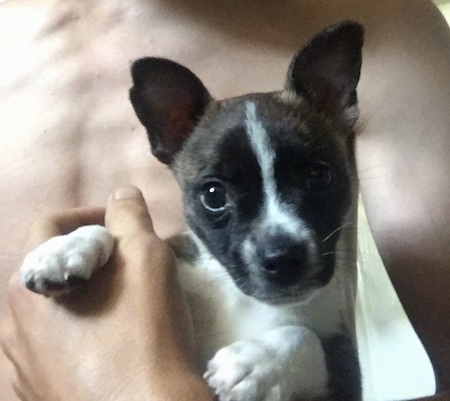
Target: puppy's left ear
168,99
327,70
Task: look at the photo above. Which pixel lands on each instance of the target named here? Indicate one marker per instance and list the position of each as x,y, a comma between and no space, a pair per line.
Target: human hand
124,335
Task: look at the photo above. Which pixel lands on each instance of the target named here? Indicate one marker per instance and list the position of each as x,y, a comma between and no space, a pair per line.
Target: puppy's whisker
334,253
220,278
337,230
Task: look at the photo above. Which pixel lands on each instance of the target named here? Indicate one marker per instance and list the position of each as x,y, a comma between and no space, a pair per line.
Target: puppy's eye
319,177
214,198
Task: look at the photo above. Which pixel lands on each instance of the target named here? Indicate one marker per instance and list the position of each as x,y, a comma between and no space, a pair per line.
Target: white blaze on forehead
260,143
277,214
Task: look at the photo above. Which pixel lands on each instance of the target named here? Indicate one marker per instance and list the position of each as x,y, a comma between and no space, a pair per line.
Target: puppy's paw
62,262
245,371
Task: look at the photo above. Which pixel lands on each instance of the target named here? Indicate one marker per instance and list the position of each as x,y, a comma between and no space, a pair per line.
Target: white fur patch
77,255
260,143
280,364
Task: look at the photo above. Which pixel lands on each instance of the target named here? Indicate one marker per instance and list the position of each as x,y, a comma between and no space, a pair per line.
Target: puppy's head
266,177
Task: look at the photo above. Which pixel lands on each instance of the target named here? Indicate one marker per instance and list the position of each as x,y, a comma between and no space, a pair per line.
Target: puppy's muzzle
282,260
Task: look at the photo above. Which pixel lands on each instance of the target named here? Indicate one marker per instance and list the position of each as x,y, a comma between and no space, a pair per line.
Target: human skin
69,136
84,346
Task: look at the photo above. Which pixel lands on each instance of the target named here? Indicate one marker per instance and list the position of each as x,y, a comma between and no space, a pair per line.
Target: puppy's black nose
283,260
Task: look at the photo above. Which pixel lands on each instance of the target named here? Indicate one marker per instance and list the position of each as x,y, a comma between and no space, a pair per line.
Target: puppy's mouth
283,292
279,299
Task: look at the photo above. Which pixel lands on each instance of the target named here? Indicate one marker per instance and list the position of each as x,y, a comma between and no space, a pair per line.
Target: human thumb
147,270
127,214
137,245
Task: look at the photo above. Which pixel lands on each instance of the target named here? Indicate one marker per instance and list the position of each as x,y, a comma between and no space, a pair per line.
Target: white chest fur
222,314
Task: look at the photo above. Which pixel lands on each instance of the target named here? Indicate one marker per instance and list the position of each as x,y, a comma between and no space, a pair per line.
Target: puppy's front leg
59,263
283,363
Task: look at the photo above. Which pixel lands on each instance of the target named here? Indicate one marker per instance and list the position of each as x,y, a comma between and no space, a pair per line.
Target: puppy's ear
168,100
327,70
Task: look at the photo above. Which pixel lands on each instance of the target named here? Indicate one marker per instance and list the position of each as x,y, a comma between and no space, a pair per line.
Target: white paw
62,262
245,371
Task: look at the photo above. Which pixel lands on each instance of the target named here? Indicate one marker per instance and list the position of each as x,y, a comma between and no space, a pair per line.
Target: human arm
403,162
124,335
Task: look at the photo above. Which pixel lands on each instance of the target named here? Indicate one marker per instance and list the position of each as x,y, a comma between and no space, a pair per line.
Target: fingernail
128,192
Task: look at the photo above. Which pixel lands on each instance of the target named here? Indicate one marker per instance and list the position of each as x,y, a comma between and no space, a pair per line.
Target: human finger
129,221
127,213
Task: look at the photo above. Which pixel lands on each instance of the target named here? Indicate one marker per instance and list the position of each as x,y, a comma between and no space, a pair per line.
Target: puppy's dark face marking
265,189
266,178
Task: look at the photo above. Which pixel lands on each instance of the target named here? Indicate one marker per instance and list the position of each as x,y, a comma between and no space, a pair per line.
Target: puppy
267,182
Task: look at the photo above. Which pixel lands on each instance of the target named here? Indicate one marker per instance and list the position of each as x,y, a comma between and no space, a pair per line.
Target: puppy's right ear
168,100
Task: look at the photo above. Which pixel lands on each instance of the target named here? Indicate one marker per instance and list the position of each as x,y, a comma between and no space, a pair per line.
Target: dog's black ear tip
350,30
356,31
350,25
140,68
143,67
342,41
137,67
349,33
